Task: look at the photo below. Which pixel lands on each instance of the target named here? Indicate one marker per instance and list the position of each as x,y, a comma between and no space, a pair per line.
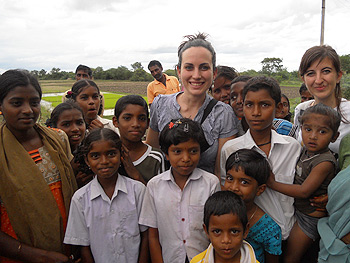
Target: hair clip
171,125
186,127
237,160
69,94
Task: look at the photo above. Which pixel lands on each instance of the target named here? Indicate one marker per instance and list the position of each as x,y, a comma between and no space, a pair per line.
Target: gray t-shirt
220,123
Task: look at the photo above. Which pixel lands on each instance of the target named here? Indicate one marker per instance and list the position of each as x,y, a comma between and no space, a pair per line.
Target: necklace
266,143
256,209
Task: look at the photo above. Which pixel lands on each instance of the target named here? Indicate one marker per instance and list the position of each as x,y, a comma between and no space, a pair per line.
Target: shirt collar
97,190
196,174
275,139
103,121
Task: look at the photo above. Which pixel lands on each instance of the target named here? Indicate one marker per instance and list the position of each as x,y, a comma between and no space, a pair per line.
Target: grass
110,99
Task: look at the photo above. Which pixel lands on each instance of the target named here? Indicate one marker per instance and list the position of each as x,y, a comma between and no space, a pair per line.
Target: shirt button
183,219
184,241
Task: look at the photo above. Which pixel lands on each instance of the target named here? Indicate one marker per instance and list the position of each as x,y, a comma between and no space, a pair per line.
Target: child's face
73,124
226,233
132,123
305,96
243,185
89,101
103,159
259,110
237,99
316,133
21,108
284,109
184,157
221,90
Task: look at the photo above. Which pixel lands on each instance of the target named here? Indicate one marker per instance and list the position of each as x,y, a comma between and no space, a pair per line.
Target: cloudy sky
36,34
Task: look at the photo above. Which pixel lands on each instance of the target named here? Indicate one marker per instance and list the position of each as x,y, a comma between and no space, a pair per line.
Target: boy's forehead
261,94
319,119
225,221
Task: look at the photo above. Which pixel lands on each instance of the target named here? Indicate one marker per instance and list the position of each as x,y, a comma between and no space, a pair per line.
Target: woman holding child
320,70
196,70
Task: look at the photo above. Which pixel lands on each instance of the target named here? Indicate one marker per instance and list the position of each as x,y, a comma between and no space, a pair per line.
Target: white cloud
44,34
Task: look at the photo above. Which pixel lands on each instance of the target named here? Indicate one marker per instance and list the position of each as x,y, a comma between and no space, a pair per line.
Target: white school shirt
109,226
108,124
178,215
283,156
344,127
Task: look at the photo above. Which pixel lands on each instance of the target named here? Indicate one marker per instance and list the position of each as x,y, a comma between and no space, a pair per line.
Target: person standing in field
83,72
162,83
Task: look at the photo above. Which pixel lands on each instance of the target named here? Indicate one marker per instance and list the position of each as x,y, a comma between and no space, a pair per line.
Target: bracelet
19,248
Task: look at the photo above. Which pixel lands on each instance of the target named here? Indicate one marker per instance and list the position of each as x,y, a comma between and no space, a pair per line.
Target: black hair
251,162
58,110
302,88
84,68
267,83
181,130
197,40
289,114
127,100
154,63
79,86
223,203
17,78
334,117
227,72
95,135
240,79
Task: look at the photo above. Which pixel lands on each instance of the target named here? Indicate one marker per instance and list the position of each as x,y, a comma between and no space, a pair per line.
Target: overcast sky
36,34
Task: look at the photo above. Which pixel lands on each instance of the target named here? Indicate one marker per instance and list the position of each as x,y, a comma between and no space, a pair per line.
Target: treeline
270,66
137,73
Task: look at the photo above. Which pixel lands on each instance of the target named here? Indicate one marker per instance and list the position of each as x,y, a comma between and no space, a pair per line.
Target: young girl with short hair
174,200
104,214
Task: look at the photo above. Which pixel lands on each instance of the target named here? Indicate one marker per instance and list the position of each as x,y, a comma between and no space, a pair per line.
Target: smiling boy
262,97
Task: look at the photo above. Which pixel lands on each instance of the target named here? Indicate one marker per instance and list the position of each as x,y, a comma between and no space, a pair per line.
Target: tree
345,63
271,65
136,65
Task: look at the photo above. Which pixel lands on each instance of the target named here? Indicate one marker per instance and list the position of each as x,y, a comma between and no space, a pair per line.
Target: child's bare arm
129,166
86,255
269,258
154,245
217,161
317,175
144,248
152,138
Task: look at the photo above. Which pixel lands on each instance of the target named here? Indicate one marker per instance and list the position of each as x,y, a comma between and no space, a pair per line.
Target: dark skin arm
129,166
9,247
317,175
95,124
154,245
144,248
86,255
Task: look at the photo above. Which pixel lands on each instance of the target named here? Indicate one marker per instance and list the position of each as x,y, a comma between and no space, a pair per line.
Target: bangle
19,248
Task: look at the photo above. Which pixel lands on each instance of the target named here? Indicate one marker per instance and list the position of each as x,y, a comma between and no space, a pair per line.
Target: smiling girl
321,73
196,70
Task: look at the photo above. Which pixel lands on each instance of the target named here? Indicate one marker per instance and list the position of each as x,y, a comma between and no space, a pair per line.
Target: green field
109,99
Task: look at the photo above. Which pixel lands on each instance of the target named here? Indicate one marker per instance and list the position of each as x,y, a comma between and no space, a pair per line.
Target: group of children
131,208
167,216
